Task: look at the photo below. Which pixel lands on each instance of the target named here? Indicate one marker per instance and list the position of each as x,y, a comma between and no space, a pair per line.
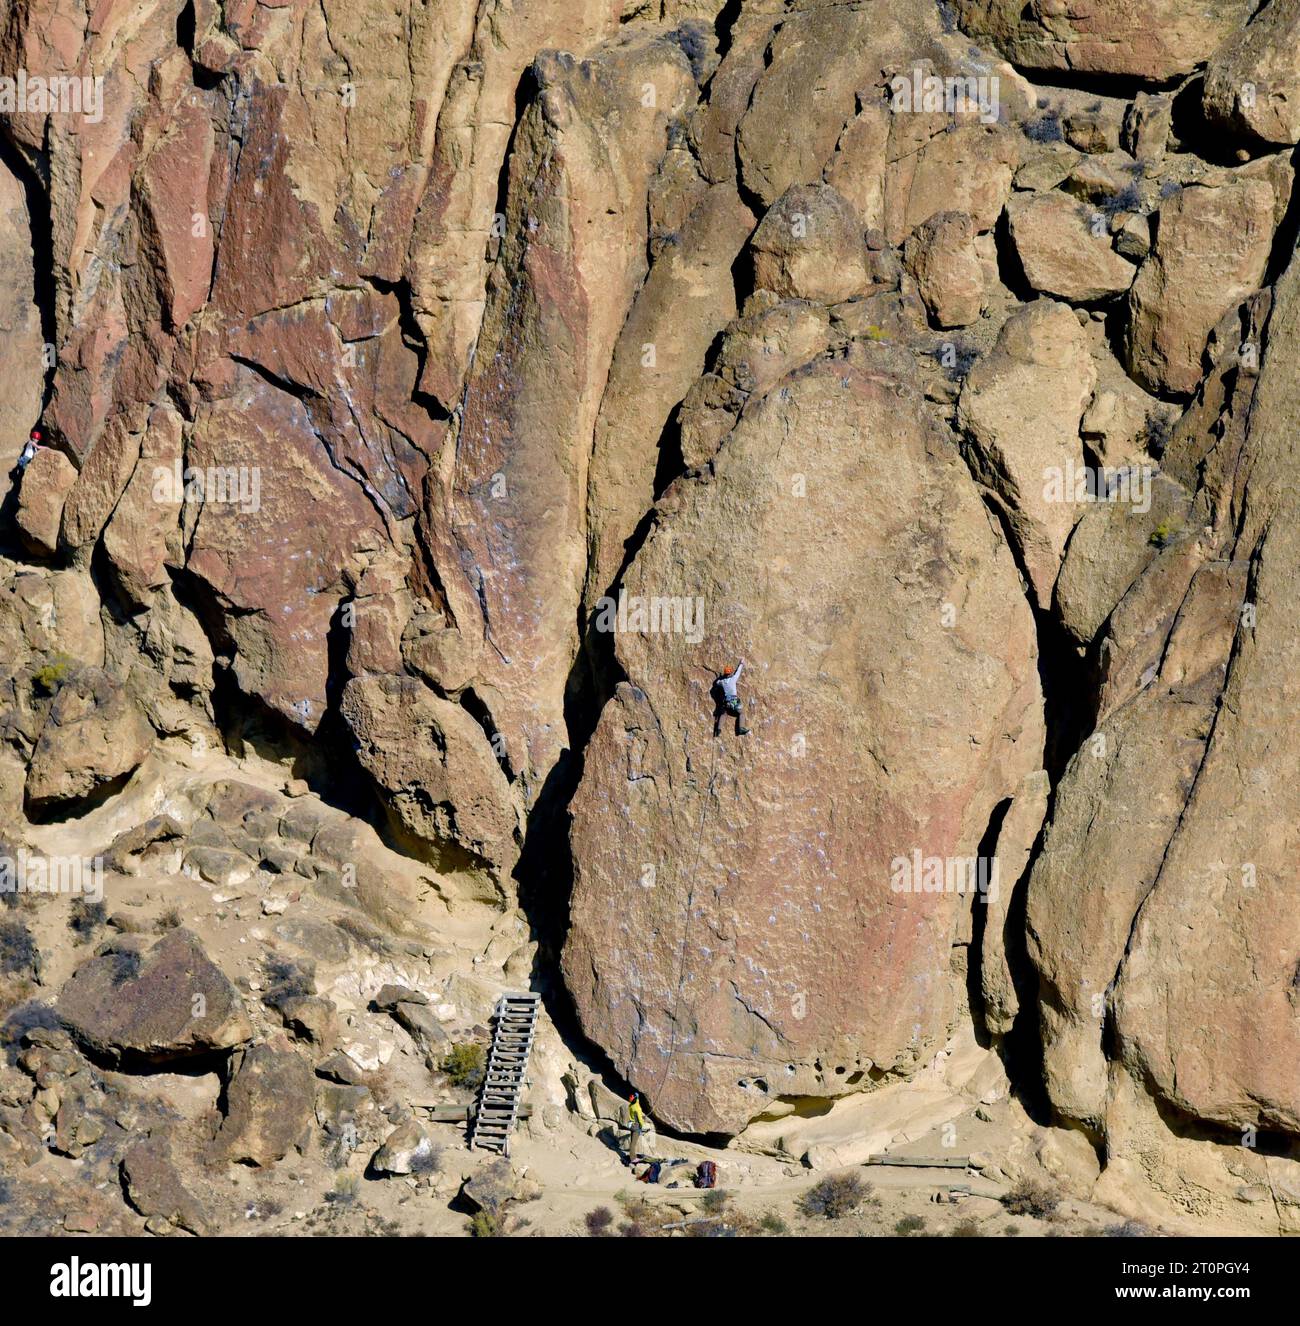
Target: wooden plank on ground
459,1113
921,1162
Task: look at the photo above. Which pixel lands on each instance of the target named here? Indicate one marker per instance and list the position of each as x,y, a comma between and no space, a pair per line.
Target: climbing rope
686,922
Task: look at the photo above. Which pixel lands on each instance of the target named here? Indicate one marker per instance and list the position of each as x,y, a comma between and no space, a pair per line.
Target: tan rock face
141,534
935,168
389,345
430,757
1062,252
1020,408
1185,954
1000,941
687,298
942,257
1155,41
756,352
1118,535
468,120
1252,85
810,246
506,526
700,953
1211,249
46,481
1218,888
21,342
789,130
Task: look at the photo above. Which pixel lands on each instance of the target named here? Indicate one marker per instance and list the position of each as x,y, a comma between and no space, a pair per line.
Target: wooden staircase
503,1080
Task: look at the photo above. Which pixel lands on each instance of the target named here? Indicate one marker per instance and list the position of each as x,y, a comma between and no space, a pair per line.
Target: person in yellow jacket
637,1125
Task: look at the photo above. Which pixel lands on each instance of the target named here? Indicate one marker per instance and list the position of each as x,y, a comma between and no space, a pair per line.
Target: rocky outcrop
154,1187
1135,38
22,343
46,481
700,949
438,399
950,276
270,1102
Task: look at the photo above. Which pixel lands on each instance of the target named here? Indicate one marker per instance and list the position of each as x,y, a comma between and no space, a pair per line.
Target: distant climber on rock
32,447
728,702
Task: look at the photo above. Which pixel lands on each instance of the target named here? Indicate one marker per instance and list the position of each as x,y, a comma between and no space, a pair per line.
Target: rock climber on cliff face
728,702
32,447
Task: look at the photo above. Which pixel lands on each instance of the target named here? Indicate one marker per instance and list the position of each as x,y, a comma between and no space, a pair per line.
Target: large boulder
270,1105
1252,85
434,764
94,736
942,259
1116,538
1061,252
1211,250
742,932
162,1006
810,246
790,125
46,481
154,1187
1156,40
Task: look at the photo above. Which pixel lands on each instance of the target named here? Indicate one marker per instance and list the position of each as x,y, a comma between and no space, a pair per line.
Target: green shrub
912,1224
464,1064
52,675
771,1223
484,1225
